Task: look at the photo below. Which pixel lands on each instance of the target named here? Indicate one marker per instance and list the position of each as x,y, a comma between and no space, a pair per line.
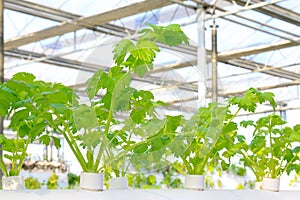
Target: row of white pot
271,184
88,181
13,183
197,182
94,182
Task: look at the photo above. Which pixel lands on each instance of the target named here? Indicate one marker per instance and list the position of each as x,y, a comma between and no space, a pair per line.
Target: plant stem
3,167
178,169
233,116
187,164
23,157
287,165
272,168
124,169
279,173
107,125
123,166
14,163
253,166
73,145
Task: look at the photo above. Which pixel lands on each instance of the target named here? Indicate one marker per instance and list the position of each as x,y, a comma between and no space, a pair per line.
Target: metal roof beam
228,55
246,64
273,71
73,64
85,22
274,11
184,49
92,68
249,7
269,87
57,61
237,62
191,50
230,94
39,10
49,13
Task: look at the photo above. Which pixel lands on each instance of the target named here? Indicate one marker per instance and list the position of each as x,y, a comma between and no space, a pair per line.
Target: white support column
201,57
214,63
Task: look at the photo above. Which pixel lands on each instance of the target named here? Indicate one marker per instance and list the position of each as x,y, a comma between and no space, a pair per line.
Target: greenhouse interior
182,96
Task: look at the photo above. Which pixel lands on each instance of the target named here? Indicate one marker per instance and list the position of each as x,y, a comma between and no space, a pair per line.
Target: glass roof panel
90,49
86,7
291,5
20,24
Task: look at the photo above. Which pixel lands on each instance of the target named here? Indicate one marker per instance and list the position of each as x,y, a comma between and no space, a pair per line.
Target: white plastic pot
119,183
13,183
194,182
91,181
258,185
271,184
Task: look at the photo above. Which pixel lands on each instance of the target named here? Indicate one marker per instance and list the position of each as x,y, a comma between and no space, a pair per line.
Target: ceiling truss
70,22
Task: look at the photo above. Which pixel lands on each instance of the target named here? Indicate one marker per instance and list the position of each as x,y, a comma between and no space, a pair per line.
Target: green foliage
212,133
248,102
32,183
34,108
139,57
238,170
251,99
150,181
240,186
170,176
111,143
203,133
271,150
171,35
73,180
52,181
151,152
142,181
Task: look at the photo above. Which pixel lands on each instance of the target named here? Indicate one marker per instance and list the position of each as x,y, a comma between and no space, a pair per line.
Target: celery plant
96,127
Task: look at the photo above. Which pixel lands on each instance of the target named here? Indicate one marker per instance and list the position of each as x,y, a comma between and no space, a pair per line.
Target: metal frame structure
74,30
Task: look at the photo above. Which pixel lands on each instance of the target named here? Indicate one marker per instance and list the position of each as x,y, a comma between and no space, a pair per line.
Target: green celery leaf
139,149
137,115
122,93
246,123
98,81
145,51
257,143
85,117
269,96
91,139
18,118
45,139
24,76
241,138
56,142
172,123
121,49
59,107
142,68
153,126
171,35
23,130
224,165
288,155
